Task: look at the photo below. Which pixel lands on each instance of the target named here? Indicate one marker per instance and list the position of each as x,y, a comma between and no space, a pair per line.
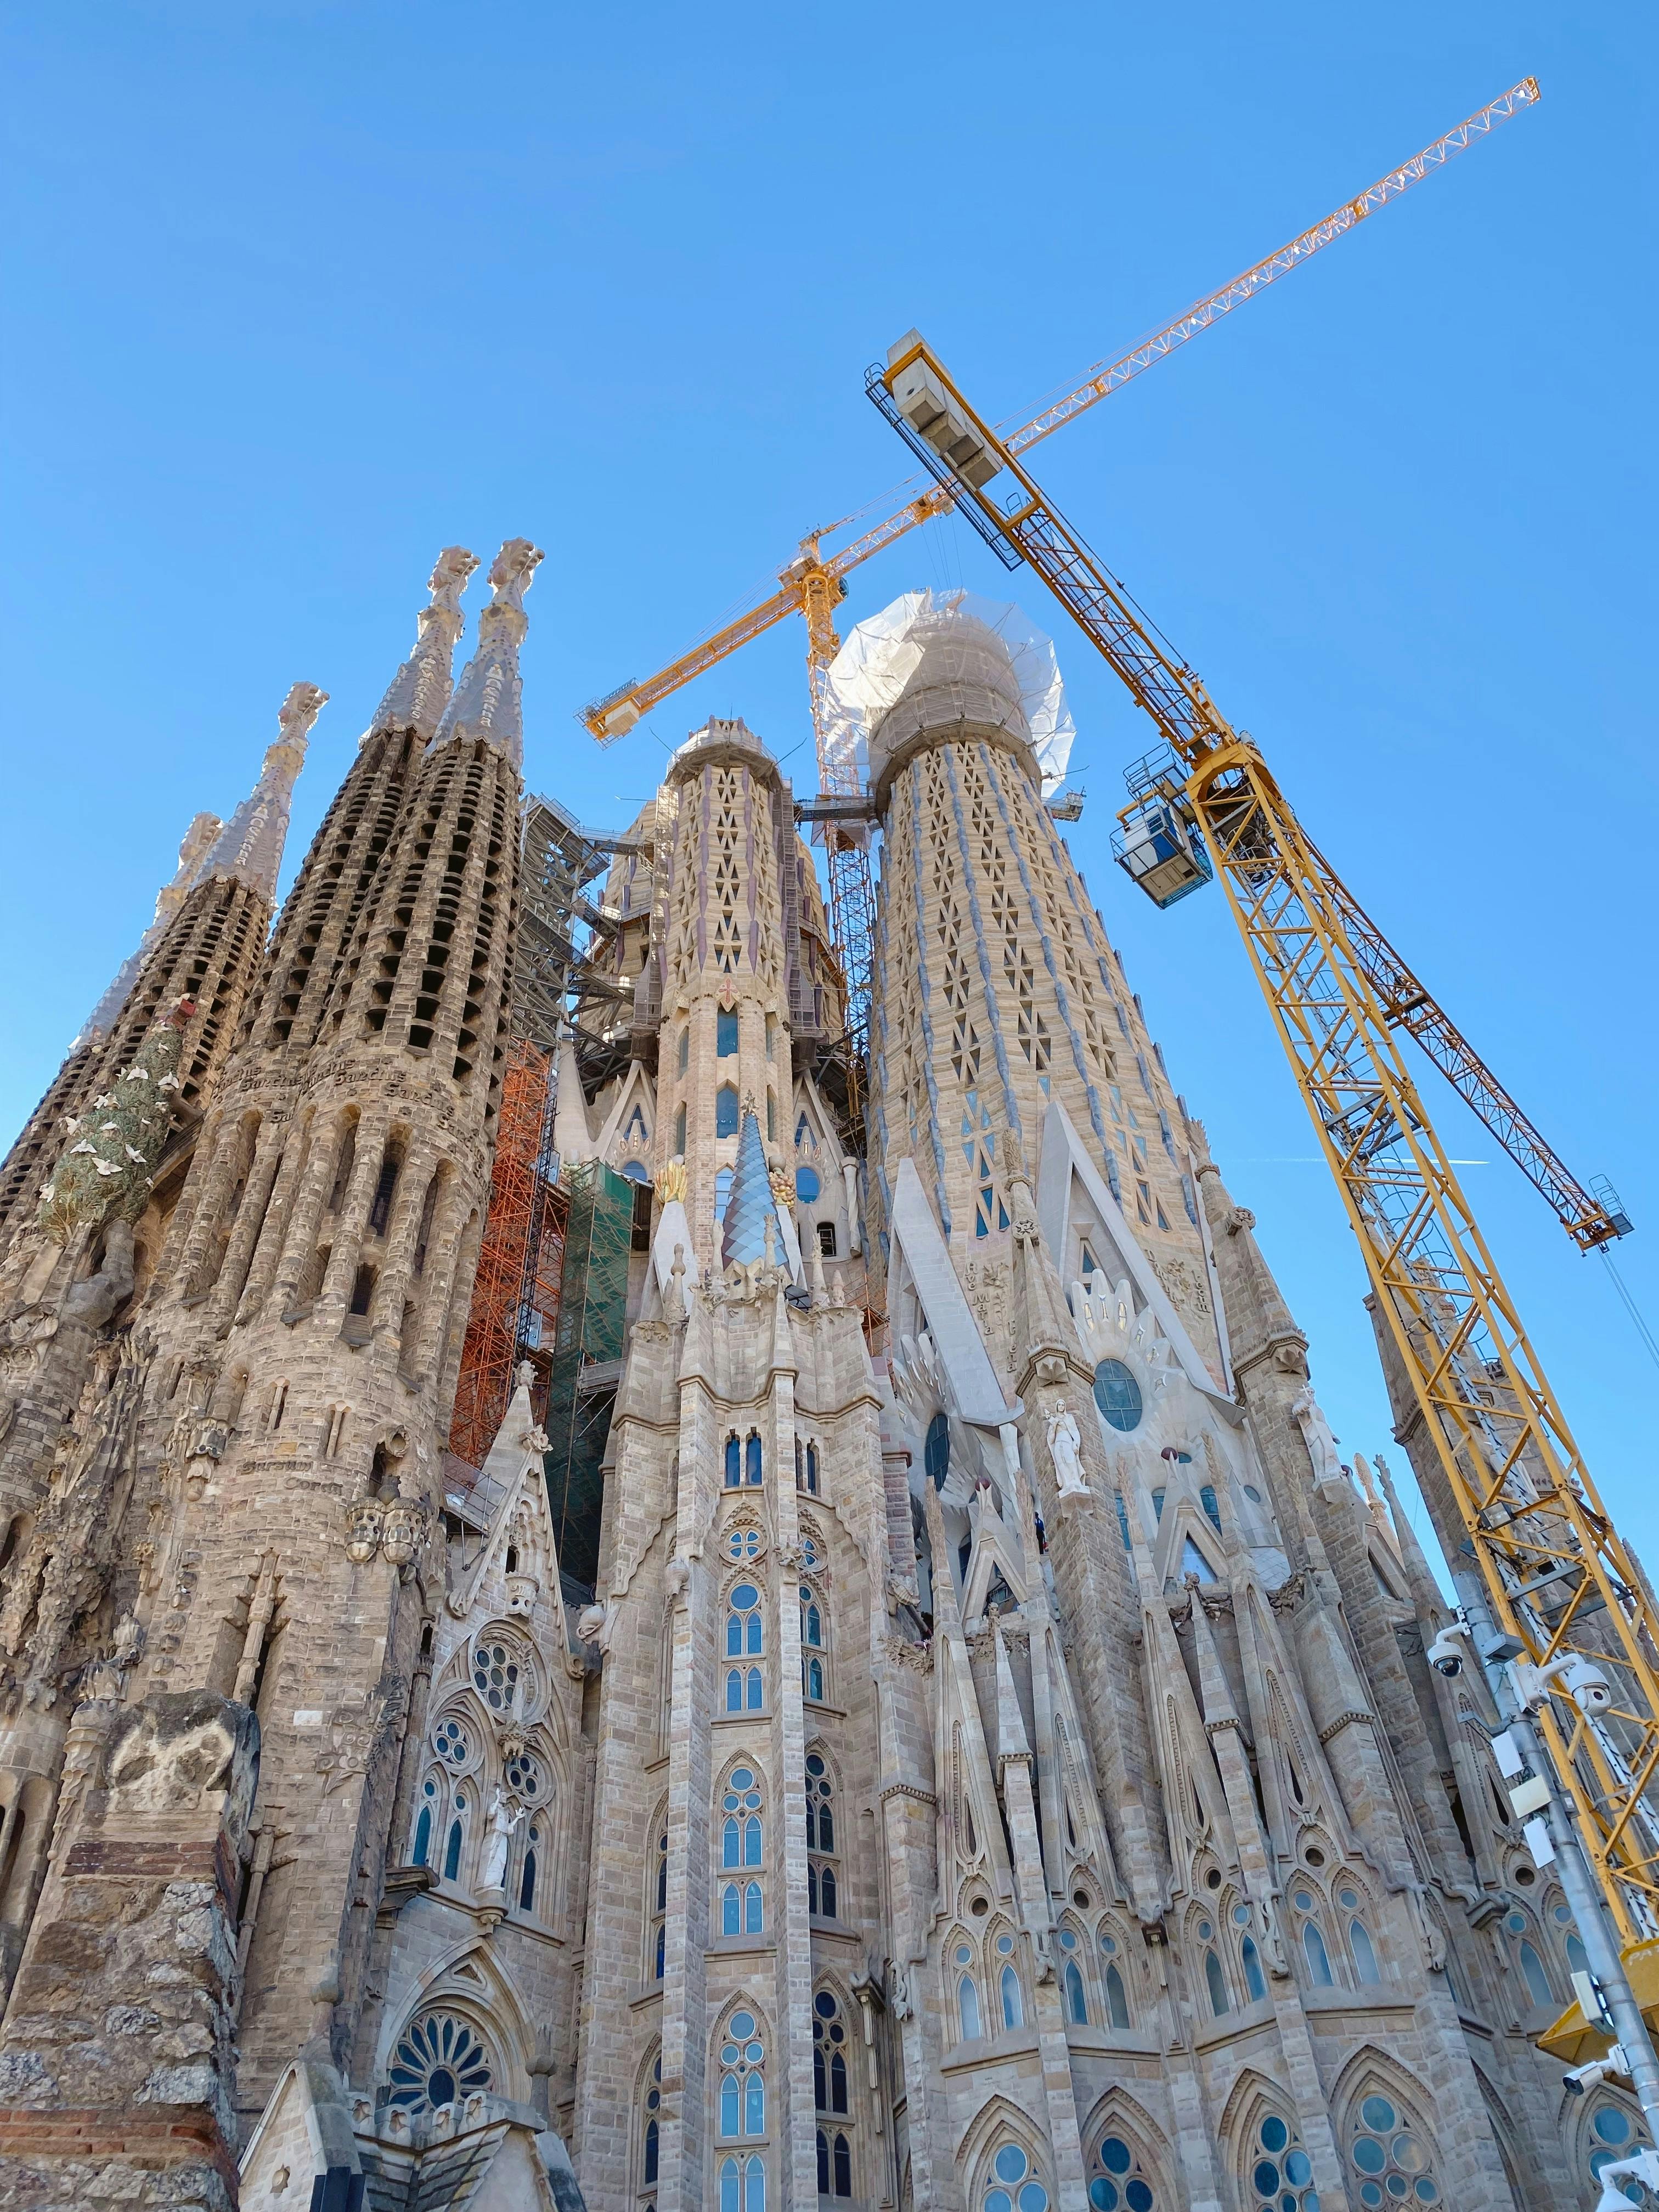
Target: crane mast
1560,1581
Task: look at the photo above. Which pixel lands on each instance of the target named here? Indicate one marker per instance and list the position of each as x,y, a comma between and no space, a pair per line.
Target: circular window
496,1676
1611,2124
742,2024
1253,1493
1240,1915
1348,1899
1391,2159
1118,1395
1010,2163
1004,1945
744,1595
438,2059
1302,1901
1212,1880
807,1185
524,1776
1205,1932
1515,1922
1108,1944
1119,2179
453,1743
964,1956
1561,1914
742,1544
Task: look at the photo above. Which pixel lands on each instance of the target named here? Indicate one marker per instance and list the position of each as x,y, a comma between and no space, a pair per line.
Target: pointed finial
249,848
488,701
419,692
203,828
748,1205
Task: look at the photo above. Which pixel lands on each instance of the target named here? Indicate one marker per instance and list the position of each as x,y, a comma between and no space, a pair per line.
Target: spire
1012,1742
488,702
197,838
1259,1322
420,690
1427,1594
749,1208
249,848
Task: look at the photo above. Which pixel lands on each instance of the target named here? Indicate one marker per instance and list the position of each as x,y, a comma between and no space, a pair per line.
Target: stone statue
1309,1416
1063,1443
504,1817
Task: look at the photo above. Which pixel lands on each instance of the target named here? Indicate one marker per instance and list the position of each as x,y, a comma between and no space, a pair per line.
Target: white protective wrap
870,674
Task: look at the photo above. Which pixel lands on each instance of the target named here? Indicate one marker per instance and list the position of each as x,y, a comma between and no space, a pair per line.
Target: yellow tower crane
814,585
1569,1601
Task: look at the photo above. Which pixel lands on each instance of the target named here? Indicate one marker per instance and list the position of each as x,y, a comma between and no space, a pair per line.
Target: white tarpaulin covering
874,669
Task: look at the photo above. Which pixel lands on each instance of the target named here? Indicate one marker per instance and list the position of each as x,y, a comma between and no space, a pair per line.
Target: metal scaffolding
587,1357
515,1294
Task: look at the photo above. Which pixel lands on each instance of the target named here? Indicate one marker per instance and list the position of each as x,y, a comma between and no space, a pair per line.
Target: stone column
132,2105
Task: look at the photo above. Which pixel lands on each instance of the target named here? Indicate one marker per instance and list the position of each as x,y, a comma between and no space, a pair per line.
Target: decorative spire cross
419,692
488,702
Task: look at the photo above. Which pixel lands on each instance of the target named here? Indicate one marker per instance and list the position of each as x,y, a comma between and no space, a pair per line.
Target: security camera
1643,2167
1589,1688
1446,1653
1610,2065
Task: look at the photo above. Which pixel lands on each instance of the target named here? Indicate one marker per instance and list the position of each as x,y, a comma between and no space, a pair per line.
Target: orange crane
814,585
1569,1601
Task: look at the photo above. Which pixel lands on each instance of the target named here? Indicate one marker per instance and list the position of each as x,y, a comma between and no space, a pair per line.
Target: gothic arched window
657,1904
726,1110
743,2185
1394,2162
813,1670
733,1463
740,1833
822,1883
743,2080
457,1838
751,1459
1118,2178
967,1992
1012,2186
650,2144
1255,1983
725,1032
1318,1959
744,1629
830,2049
1280,2170
1216,1983
527,1872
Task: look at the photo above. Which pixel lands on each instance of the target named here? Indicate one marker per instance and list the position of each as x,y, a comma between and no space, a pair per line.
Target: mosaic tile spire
488,701
749,1208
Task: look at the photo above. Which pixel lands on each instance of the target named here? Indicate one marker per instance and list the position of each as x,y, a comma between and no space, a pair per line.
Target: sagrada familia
988,1763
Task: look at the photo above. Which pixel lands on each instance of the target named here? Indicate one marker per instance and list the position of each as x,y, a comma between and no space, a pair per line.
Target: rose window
496,1676
453,1743
1392,2160
439,2058
742,1544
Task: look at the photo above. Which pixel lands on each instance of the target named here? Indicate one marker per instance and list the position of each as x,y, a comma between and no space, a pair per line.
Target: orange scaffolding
515,1296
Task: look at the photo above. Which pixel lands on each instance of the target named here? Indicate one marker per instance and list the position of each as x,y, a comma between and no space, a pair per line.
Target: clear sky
297,294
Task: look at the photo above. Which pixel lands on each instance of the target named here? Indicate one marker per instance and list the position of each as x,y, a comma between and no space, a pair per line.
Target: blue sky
297,294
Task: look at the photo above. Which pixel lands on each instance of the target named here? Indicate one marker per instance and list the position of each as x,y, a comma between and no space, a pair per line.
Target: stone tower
85,1190
993,1766
299,1352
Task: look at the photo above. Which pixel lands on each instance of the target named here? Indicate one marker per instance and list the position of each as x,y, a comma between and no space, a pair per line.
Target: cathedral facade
992,1766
